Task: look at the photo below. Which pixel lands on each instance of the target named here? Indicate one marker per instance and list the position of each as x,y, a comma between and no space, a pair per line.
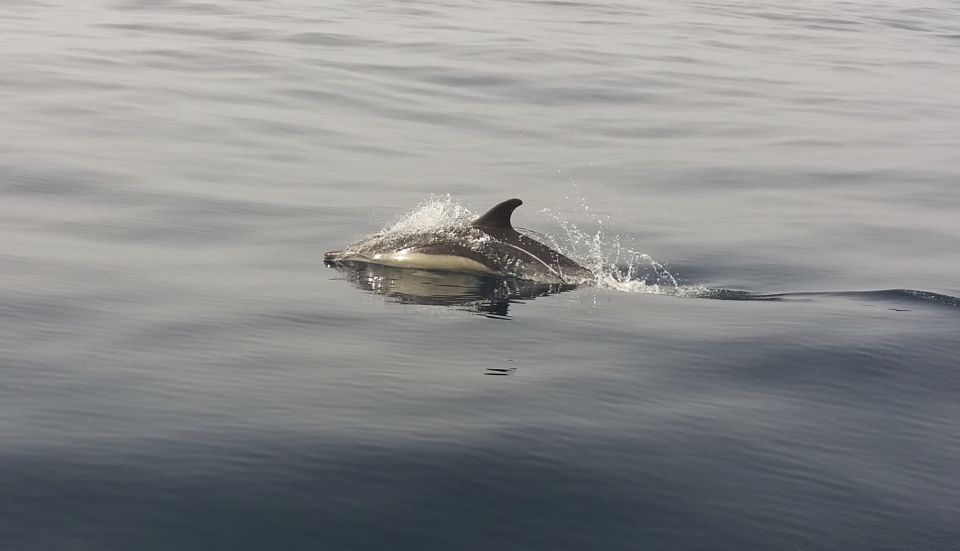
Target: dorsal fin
498,217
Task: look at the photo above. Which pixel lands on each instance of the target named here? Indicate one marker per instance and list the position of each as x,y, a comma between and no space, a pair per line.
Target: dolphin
488,246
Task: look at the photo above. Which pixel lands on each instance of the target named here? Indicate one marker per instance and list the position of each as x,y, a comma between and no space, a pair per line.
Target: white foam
640,286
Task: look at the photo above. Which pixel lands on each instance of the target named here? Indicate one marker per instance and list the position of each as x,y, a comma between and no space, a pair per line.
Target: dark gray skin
508,253
533,254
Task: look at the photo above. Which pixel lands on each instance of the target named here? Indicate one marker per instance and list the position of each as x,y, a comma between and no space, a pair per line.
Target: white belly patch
441,262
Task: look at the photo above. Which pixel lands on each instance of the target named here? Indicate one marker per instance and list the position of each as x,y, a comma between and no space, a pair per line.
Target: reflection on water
481,294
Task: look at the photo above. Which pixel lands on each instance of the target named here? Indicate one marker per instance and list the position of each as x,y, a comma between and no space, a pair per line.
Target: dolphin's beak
331,255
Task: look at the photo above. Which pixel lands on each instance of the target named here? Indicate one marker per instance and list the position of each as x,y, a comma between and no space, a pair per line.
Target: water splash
437,213
615,265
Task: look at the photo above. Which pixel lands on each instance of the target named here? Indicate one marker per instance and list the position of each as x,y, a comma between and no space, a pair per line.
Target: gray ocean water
179,370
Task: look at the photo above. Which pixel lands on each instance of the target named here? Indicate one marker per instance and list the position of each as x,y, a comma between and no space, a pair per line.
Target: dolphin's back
496,223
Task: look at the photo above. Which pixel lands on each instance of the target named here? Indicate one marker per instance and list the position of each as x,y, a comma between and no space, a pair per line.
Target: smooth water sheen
179,370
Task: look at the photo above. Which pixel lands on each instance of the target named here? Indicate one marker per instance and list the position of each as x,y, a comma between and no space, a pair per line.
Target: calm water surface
178,369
